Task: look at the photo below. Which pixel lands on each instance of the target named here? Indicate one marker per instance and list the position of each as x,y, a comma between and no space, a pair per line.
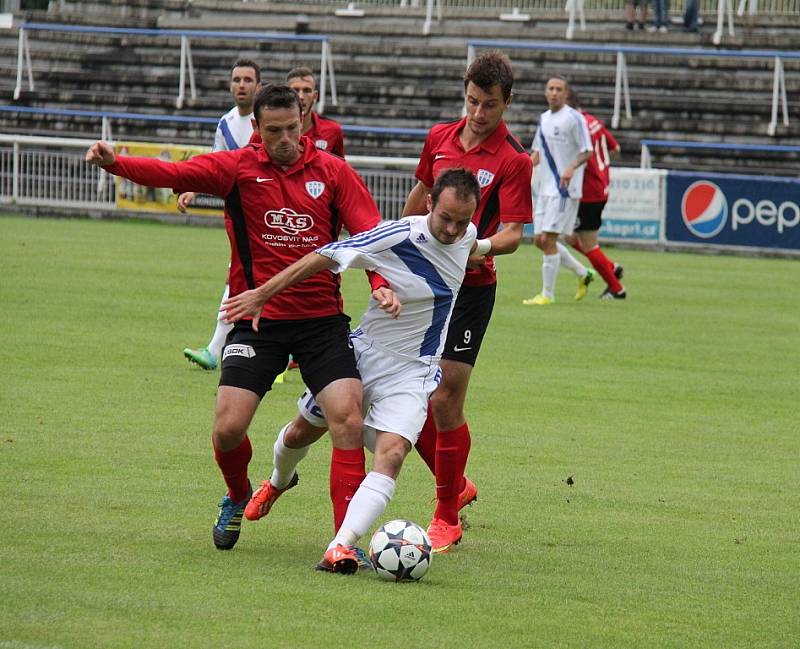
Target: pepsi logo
704,209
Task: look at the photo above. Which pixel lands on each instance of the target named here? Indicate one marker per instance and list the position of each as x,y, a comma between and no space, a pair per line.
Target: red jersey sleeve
424,172
354,202
516,205
210,173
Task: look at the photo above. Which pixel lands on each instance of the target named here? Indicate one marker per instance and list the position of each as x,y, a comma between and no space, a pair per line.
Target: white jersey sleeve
233,131
360,250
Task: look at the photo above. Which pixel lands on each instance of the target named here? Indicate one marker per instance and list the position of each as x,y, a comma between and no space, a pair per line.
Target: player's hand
388,301
566,177
245,306
100,154
184,200
474,261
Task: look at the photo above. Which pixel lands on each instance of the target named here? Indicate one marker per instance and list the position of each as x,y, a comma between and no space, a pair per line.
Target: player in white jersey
424,259
233,131
560,148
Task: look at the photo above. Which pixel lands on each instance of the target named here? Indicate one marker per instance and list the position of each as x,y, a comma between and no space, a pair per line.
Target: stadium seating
389,75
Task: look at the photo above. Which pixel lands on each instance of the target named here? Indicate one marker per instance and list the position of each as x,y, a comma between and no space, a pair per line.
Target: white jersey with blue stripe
233,131
424,274
564,135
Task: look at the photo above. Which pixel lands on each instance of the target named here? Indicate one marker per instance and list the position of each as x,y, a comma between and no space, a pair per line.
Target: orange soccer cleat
263,499
468,495
341,558
443,536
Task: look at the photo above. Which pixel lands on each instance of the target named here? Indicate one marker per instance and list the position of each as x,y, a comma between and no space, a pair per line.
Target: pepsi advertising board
732,210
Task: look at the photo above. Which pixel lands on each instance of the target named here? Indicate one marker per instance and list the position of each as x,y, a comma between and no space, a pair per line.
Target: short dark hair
300,72
275,95
490,69
248,63
572,97
560,77
459,179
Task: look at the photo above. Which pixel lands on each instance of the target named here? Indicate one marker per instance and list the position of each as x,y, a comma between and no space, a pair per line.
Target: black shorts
590,216
469,323
321,346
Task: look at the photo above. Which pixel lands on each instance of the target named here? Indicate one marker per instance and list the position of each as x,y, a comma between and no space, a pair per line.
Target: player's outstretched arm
248,305
100,154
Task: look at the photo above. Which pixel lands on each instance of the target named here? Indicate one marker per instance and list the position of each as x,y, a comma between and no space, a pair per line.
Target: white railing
50,171
621,88
326,76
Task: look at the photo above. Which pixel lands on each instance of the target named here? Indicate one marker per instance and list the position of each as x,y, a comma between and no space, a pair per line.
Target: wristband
483,247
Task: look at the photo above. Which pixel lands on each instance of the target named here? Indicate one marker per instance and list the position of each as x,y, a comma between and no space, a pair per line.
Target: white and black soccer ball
400,551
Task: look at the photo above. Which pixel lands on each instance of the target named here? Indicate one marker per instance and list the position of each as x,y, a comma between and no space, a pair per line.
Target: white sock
550,264
569,261
221,332
367,504
284,461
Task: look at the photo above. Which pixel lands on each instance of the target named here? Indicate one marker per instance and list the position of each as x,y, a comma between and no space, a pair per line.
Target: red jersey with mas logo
503,170
273,216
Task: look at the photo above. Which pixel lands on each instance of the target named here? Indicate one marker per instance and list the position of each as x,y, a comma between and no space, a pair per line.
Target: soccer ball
400,551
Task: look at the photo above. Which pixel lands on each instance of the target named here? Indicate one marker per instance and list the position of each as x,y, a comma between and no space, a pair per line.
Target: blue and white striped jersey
424,273
560,138
233,131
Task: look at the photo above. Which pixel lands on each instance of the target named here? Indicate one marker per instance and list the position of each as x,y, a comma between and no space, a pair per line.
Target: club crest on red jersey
315,188
288,221
322,145
484,178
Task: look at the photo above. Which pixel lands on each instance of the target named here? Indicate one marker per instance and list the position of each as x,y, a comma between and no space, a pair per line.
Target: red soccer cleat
443,536
341,558
468,495
263,499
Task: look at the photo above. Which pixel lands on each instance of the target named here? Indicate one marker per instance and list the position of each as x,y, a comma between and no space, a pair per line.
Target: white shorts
555,214
396,393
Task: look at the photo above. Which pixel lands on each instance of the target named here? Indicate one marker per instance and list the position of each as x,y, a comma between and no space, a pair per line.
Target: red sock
233,465
347,472
426,444
605,267
452,450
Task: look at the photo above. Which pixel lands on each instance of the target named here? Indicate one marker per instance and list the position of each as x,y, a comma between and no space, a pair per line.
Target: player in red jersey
283,199
325,133
595,195
480,142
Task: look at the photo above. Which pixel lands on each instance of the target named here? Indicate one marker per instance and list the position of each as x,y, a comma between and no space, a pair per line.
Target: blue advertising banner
722,209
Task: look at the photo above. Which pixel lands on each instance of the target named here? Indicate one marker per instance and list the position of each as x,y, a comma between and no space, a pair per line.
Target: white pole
582,15
644,162
182,75
190,63
618,90
426,26
323,77
20,45
15,176
332,75
776,85
571,21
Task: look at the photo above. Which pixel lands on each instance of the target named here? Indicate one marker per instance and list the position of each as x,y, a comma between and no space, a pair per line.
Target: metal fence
676,6
51,171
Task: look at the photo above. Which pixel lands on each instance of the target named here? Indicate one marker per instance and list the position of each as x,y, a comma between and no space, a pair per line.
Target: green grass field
675,413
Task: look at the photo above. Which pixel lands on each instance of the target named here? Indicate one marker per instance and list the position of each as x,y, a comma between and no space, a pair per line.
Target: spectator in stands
691,16
661,15
595,194
233,131
630,14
